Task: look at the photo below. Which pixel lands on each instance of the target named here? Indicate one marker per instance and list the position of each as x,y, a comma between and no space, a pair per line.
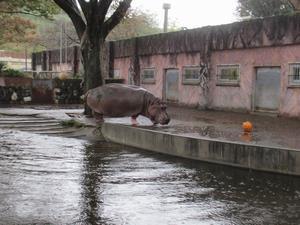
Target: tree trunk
93,76
296,4
92,27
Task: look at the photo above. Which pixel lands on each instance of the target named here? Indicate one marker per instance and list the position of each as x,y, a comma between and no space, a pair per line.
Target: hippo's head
157,113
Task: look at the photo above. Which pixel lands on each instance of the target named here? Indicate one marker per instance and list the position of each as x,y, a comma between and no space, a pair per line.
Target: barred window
116,73
228,74
191,75
294,74
148,75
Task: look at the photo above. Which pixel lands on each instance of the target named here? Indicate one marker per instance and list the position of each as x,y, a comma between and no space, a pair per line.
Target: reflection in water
51,180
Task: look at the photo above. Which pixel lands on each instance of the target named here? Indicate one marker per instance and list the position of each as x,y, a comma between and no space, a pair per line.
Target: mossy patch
72,123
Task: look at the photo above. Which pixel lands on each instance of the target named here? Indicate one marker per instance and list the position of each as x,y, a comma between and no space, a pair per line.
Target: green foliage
2,66
11,73
264,8
15,25
135,24
8,72
40,8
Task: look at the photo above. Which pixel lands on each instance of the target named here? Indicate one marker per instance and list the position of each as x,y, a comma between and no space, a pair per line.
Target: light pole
166,7
61,45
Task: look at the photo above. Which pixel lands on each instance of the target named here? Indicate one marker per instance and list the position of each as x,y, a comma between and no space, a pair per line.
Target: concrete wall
15,82
285,161
17,63
15,60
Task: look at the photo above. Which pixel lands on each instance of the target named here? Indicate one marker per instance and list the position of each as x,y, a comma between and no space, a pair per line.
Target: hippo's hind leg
98,117
133,120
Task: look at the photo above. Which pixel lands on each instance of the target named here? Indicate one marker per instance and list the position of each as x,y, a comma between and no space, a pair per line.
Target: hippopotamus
120,100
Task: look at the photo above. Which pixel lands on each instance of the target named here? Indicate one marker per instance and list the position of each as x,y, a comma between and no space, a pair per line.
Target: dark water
52,180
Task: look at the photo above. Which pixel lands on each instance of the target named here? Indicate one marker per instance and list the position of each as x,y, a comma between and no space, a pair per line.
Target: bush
8,72
2,66
11,73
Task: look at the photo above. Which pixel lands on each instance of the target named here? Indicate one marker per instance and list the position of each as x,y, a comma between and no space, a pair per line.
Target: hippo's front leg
133,120
98,117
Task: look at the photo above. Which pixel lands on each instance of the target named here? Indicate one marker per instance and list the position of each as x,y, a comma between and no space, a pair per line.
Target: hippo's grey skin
119,100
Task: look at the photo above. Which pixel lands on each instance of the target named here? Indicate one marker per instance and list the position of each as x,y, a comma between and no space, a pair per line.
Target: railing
294,80
229,79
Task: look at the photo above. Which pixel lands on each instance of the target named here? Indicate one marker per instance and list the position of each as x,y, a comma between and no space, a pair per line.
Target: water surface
54,180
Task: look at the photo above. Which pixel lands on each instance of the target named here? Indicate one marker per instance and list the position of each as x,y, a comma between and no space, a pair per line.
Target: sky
191,13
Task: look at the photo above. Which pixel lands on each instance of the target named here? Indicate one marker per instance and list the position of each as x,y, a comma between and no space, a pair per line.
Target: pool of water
54,180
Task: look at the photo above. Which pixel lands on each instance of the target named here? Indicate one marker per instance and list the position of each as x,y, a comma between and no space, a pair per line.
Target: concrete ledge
263,158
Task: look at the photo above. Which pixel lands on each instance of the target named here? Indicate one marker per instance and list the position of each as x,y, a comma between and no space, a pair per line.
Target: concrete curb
262,158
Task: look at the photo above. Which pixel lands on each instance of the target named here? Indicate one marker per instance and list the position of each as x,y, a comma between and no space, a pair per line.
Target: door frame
254,79
164,94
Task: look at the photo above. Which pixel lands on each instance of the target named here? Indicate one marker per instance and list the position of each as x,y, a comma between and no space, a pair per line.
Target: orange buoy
248,127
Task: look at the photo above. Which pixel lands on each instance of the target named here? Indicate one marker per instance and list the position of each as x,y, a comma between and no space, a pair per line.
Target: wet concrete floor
56,180
268,130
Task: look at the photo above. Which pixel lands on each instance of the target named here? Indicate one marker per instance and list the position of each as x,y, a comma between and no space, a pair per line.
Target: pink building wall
189,95
236,98
242,97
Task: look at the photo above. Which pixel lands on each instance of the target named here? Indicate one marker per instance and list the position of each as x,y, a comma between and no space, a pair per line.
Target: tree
38,8
49,33
15,27
92,27
135,24
264,8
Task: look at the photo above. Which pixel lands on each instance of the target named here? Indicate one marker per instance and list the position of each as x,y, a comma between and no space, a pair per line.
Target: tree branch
19,12
70,7
85,8
116,17
103,7
295,4
74,40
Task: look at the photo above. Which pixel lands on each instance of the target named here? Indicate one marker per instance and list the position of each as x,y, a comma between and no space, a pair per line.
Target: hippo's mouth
154,122
164,121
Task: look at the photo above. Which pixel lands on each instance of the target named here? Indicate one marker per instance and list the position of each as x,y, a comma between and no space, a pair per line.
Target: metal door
171,85
267,89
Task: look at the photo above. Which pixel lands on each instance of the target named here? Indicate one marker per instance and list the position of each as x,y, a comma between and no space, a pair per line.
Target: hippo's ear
155,102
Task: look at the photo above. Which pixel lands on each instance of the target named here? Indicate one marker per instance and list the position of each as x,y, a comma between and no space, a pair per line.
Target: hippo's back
116,100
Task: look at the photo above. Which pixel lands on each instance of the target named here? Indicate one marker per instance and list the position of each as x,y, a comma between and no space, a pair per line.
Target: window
228,74
191,75
148,76
116,73
294,74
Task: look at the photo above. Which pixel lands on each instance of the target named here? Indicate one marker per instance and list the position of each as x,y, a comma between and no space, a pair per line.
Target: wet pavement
224,126
56,180
268,130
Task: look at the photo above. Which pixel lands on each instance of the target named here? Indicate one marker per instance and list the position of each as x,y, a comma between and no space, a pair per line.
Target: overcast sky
192,13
